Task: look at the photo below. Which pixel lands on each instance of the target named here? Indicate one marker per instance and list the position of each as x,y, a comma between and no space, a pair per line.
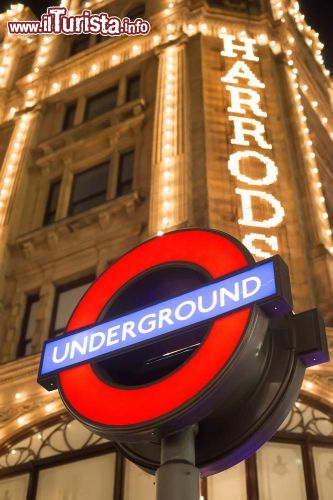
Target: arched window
69,461
137,11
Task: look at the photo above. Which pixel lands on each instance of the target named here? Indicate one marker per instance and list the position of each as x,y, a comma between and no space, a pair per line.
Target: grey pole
177,477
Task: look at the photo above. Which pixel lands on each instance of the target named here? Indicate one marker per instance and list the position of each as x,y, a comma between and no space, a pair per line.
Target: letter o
184,304
271,168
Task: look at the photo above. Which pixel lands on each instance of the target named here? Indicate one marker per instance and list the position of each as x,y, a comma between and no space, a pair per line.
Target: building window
66,299
79,44
89,189
138,11
133,88
125,173
28,326
101,103
69,116
52,203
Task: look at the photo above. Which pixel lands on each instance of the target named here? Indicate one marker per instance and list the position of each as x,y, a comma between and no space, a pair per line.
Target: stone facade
180,128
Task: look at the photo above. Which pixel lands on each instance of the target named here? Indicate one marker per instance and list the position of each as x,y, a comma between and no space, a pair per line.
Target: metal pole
177,478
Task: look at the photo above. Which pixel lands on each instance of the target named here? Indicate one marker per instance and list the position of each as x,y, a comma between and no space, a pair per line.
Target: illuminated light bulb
136,49
289,52
21,420
306,130
325,215
166,206
303,119
315,170
305,88
55,86
49,408
167,160
331,250
203,27
74,76
329,232
222,31
171,28
262,39
166,190
167,175
94,68
168,110
165,221
295,71
291,39
315,104
13,452
43,49
291,63
308,385
168,147
36,69
6,60
327,72
309,143
115,58
322,199
318,185
160,233
6,181
243,34
156,39
2,70
324,120
171,5
46,39
18,396
10,168
30,93
12,110
312,155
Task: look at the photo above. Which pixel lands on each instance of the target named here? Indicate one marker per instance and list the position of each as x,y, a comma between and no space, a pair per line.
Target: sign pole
177,478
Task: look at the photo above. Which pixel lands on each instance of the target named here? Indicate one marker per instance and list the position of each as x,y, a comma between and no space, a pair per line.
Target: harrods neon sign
251,132
255,285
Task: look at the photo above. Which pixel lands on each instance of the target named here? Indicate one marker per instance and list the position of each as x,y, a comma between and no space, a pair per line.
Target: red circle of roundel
103,404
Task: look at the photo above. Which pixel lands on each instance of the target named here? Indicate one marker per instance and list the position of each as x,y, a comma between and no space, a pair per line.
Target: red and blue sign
234,305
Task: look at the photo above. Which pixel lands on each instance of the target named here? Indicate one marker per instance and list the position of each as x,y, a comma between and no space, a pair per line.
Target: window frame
101,93
89,278
68,105
82,172
134,76
122,153
53,182
31,299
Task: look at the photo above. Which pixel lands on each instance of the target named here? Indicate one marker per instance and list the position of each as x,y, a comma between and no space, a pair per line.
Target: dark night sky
319,14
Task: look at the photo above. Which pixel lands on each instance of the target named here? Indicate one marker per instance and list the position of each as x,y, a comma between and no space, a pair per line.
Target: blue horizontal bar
134,329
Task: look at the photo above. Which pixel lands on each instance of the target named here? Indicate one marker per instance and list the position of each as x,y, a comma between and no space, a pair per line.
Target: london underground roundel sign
166,334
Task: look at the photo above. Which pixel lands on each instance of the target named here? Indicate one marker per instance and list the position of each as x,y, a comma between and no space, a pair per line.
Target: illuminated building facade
221,117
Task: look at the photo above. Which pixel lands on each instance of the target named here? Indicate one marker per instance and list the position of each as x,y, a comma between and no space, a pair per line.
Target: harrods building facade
221,117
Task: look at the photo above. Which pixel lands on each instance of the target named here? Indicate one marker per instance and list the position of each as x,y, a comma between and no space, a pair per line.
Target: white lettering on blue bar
203,304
